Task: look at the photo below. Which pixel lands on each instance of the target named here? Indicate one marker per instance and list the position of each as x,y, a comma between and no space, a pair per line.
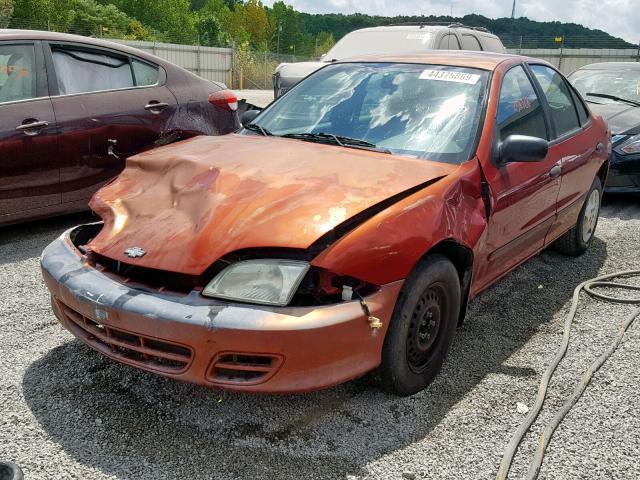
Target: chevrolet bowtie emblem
135,252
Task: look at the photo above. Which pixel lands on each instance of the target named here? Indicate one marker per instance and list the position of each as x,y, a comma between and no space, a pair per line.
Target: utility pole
279,30
513,10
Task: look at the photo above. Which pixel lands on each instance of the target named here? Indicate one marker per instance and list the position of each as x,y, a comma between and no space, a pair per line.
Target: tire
577,240
10,471
422,327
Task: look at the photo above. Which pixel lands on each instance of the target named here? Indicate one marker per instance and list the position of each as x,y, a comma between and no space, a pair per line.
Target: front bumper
624,174
212,343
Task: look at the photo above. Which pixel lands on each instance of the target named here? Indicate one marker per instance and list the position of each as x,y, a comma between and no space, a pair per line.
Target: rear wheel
577,240
422,327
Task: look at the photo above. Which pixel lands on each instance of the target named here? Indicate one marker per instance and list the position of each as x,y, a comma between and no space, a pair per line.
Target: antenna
513,10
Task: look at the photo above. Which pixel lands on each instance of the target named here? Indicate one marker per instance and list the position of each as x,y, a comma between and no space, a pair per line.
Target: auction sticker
450,76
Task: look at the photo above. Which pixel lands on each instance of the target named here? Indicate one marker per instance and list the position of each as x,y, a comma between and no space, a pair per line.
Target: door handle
155,107
600,147
555,171
32,128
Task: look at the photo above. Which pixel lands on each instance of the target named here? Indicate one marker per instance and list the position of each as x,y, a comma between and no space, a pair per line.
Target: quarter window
556,91
449,42
469,42
81,71
519,109
17,73
145,74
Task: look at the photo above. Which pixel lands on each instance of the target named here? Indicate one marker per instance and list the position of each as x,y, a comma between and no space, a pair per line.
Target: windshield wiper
615,98
254,127
337,140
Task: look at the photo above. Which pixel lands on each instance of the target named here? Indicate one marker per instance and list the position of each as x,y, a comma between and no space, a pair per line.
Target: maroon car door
579,148
29,172
108,106
523,195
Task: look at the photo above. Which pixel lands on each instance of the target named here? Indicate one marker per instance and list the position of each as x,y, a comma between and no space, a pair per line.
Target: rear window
380,42
493,44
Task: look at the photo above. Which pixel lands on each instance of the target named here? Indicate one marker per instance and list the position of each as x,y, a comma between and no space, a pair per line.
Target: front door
29,169
523,195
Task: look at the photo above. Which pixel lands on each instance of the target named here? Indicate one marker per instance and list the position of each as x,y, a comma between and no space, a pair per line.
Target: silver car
394,39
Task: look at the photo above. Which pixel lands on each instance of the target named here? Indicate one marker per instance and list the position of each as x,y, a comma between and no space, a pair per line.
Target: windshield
422,111
620,83
380,42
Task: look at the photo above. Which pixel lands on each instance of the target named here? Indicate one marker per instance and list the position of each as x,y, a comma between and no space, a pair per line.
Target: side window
493,44
449,42
145,73
583,113
556,91
469,42
82,71
17,73
519,109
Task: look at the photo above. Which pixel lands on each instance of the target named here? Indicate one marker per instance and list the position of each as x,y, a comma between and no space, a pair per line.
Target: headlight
268,282
631,146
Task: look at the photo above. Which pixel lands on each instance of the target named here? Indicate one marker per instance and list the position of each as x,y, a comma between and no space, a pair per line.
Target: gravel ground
66,412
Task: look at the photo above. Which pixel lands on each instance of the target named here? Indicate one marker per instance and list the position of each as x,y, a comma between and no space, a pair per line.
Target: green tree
6,10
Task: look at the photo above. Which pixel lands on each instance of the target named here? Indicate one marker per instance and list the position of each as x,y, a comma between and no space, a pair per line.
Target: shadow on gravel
27,240
131,424
624,207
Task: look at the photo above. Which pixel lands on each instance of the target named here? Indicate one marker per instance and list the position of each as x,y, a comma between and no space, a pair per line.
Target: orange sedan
341,232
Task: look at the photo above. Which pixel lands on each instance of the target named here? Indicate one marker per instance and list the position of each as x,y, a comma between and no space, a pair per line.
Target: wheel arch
603,172
462,258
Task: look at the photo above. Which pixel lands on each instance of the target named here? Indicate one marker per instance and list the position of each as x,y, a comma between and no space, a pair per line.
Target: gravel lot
66,412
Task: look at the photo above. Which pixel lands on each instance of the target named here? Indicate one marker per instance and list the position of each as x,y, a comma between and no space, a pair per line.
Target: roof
16,34
612,66
457,58
425,27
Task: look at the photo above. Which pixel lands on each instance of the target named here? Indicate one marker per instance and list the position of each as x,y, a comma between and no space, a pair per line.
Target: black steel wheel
422,327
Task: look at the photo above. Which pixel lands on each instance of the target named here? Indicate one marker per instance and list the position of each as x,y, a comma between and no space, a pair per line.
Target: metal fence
212,63
569,59
237,68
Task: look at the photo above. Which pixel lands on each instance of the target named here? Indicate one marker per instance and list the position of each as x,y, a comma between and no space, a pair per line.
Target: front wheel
421,328
577,240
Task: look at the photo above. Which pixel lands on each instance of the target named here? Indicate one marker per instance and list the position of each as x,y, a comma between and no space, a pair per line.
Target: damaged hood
190,203
622,119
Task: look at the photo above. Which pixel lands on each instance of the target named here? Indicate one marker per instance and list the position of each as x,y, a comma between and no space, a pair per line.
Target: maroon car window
519,109
145,74
79,71
469,42
17,73
563,111
449,42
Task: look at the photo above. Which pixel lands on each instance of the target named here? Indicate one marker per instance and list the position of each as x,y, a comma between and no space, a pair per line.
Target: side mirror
522,148
248,116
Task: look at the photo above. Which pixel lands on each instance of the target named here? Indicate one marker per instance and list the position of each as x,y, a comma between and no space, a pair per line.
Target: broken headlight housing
265,281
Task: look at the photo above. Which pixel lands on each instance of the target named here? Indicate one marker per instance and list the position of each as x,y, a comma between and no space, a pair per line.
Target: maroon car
73,108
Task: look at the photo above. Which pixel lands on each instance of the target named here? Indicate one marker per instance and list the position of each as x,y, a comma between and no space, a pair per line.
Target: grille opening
127,346
243,368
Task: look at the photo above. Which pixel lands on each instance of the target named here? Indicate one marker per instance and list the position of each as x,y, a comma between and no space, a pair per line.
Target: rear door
108,105
523,195
579,150
29,168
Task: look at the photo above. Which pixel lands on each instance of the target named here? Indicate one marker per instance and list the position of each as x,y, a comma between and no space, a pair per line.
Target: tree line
252,25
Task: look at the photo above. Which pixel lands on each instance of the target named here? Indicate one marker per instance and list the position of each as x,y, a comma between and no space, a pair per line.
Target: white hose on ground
588,286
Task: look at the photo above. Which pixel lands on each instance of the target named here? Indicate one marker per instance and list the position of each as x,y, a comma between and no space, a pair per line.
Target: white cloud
620,18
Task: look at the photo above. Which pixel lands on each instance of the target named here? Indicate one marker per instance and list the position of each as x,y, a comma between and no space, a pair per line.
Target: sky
620,18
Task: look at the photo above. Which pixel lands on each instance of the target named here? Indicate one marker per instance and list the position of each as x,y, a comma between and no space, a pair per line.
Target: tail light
224,99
